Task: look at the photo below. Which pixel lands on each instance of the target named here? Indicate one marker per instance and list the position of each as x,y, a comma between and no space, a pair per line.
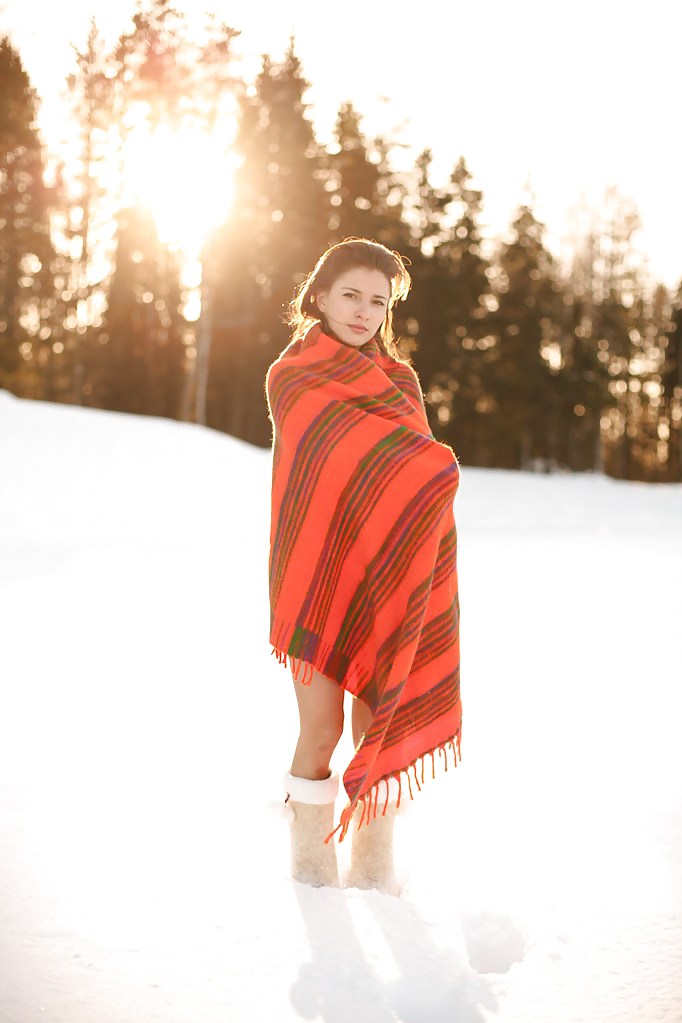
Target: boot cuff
306,790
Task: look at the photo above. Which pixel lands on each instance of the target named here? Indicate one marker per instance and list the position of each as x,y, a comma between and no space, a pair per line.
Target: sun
184,177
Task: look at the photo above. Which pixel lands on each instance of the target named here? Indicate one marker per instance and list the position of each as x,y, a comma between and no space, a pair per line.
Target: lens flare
184,177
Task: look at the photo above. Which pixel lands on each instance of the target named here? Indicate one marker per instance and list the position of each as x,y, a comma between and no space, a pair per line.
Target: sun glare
184,178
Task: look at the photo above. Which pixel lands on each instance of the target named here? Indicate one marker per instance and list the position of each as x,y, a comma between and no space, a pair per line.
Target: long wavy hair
347,255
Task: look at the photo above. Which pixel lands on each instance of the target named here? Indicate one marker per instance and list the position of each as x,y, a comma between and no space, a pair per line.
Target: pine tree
465,304
26,250
215,89
91,90
671,382
164,79
581,386
616,312
366,196
275,234
143,327
153,64
582,377
427,323
527,325
353,179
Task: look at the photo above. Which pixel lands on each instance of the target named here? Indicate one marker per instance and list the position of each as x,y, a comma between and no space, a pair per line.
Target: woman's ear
321,301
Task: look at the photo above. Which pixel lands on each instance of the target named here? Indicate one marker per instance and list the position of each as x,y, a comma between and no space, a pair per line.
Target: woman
363,577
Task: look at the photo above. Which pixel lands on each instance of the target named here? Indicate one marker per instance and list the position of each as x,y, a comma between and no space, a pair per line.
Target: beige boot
312,806
371,864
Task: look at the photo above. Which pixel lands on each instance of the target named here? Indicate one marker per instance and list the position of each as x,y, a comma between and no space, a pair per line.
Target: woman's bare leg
320,709
362,719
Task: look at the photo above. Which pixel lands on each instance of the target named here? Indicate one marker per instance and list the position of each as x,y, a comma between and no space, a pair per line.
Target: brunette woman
362,569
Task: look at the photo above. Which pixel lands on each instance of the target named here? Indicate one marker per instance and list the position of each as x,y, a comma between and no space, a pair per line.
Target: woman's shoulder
292,347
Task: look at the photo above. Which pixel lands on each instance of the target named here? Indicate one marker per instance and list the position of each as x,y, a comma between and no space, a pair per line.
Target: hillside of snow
145,729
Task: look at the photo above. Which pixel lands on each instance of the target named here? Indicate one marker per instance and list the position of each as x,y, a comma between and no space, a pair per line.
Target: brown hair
347,255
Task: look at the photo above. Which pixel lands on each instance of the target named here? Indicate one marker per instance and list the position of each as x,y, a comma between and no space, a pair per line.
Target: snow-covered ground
145,729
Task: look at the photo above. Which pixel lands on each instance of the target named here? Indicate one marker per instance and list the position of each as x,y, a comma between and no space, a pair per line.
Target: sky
146,729
553,101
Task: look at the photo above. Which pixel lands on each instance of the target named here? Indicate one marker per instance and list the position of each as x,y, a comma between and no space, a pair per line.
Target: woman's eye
349,294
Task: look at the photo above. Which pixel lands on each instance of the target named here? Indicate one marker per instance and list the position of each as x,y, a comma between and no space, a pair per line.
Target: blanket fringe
306,677
325,654
370,801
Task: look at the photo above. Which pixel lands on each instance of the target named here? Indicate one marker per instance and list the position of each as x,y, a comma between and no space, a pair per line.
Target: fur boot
312,807
371,864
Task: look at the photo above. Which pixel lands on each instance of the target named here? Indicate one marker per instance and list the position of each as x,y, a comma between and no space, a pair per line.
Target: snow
145,729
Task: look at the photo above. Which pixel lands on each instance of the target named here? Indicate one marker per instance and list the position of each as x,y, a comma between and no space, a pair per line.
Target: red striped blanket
363,549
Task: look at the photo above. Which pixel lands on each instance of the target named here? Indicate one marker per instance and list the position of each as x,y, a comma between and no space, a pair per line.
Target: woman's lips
358,330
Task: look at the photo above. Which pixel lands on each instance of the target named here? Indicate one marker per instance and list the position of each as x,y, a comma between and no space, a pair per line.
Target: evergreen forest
526,362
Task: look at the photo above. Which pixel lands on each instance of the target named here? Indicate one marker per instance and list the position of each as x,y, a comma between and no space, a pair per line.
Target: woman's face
355,305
